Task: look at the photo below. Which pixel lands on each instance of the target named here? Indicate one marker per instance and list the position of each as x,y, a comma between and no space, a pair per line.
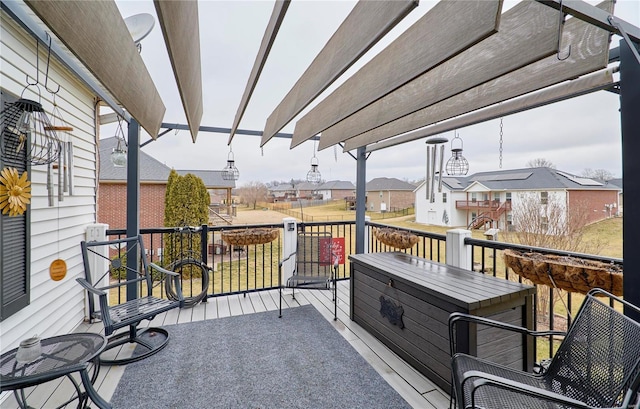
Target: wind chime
27,134
457,165
433,159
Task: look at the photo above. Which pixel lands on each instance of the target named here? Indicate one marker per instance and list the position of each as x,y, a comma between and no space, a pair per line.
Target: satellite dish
139,25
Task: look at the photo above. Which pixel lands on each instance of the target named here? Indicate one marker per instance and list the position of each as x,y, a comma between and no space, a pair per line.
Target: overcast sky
577,134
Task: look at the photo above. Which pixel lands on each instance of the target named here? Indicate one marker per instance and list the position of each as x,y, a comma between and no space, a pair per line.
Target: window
544,198
14,244
496,196
508,196
545,223
474,196
444,197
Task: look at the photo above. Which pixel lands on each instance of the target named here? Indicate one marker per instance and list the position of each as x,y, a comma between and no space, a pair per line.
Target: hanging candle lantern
119,153
230,172
457,164
313,175
27,128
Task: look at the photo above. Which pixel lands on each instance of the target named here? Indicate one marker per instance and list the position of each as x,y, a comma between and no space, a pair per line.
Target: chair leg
149,341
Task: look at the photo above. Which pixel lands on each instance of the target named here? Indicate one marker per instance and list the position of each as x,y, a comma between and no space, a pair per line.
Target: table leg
93,394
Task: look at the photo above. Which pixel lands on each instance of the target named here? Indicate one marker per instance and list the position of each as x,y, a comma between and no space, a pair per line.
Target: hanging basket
249,236
569,273
395,238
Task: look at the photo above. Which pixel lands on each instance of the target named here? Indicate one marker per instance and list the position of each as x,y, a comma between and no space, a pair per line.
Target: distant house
283,192
388,194
336,190
219,189
112,197
489,198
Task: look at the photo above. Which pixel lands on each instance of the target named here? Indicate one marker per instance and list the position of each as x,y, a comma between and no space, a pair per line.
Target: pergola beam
277,16
593,15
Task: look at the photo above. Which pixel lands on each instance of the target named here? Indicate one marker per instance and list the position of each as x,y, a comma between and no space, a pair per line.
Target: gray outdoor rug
256,361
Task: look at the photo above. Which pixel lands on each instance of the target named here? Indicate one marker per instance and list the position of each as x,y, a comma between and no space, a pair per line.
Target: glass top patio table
60,356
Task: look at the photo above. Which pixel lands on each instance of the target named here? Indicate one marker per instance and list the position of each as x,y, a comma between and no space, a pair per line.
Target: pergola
462,63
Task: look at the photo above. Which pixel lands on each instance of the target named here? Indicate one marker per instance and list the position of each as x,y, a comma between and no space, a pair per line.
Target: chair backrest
109,259
599,359
314,255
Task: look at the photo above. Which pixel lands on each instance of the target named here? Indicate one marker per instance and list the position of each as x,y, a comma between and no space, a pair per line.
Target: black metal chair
316,267
597,364
120,314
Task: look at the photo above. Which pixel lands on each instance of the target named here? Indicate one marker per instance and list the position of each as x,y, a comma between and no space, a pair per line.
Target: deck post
361,197
133,200
458,254
630,124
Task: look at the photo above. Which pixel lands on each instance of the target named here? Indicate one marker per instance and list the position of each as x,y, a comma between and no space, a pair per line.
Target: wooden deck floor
410,384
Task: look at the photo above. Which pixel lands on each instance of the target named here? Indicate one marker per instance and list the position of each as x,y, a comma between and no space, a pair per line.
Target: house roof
282,187
388,184
151,170
527,179
212,178
337,185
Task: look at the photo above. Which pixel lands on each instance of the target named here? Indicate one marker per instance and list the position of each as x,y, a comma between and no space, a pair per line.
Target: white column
367,234
457,253
289,246
97,265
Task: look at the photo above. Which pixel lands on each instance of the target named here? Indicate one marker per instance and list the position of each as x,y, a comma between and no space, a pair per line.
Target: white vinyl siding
55,307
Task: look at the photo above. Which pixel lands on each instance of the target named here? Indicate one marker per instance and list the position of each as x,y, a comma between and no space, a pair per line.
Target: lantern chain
501,143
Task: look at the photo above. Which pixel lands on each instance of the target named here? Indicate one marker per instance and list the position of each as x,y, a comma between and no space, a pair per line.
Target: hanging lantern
230,172
27,130
119,153
313,175
457,164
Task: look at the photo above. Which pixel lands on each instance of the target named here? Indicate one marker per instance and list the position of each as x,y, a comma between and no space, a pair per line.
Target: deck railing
242,269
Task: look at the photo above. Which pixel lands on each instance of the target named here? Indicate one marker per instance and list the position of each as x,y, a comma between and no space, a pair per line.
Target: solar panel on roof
508,176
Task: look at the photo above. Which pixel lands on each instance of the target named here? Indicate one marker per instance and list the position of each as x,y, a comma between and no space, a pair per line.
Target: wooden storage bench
405,302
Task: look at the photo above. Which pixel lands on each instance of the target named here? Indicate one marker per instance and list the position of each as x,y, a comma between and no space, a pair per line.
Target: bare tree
547,222
253,192
540,163
601,174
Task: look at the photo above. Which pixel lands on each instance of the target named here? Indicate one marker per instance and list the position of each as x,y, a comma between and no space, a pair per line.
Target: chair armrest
480,379
284,260
458,316
93,290
163,270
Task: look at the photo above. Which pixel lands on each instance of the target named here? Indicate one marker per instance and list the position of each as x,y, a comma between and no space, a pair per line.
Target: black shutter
14,244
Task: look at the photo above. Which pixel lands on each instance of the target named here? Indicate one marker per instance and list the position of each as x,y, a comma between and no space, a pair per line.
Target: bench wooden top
467,289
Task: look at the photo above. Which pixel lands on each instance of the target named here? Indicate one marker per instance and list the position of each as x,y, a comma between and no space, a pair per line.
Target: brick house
389,194
112,197
488,199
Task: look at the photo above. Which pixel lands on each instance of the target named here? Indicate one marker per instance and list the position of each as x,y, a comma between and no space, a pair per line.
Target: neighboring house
389,194
283,192
336,190
31,302
617,183
219,189
112,197
488,199
112,190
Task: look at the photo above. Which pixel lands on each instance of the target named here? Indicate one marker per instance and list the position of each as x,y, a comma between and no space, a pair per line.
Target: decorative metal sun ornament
15,192
457,165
